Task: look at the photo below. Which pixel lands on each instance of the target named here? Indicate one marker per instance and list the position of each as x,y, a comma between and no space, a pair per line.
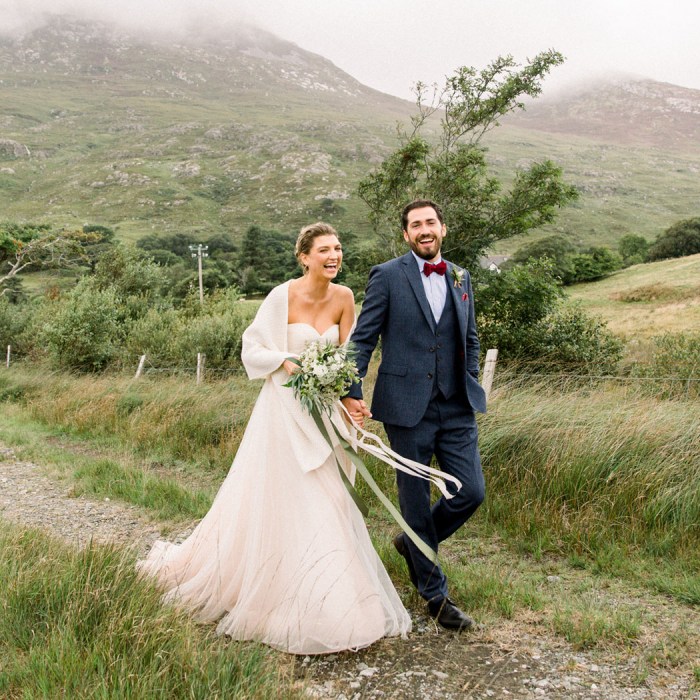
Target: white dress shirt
435,287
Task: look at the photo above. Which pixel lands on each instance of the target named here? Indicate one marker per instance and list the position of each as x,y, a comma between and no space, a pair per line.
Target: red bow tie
440,268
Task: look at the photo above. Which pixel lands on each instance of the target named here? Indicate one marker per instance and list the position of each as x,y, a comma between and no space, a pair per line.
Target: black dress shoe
402,549
449,615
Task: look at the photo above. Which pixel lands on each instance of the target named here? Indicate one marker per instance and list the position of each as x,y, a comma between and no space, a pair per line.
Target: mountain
208,132
220,129
624,111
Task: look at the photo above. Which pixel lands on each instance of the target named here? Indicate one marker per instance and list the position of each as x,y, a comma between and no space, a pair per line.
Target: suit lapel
413,275
461,307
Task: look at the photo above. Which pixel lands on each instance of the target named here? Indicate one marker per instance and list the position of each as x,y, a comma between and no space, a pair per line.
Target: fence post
489,370
9,351
200,367
139,369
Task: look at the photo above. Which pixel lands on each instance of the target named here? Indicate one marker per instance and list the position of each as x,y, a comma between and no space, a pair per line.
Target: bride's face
324,258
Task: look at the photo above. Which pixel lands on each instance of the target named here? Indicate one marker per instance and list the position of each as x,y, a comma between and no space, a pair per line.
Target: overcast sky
391,44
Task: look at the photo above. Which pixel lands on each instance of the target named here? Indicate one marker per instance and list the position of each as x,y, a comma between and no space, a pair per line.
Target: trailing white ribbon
394,460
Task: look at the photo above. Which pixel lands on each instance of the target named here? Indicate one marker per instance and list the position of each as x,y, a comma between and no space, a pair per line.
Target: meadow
592,481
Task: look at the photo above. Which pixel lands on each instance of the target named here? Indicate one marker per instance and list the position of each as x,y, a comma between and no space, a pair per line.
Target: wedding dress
283,556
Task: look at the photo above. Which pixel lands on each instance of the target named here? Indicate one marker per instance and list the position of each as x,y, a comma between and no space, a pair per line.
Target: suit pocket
396,370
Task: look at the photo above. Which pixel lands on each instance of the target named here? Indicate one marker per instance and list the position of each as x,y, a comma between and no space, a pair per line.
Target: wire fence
509,378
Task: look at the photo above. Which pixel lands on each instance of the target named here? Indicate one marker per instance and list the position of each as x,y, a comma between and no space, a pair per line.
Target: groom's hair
419,204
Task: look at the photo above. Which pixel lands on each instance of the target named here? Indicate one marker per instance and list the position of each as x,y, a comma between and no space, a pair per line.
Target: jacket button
430,375
431,349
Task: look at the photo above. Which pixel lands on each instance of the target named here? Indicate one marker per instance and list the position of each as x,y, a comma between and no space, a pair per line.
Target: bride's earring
340,268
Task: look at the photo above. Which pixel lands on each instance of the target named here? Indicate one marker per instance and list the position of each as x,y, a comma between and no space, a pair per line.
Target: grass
646,300
589,489
605,474
83,625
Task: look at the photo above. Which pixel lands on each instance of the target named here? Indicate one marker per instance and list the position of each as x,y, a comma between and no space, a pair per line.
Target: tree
633,249
683,238
453,171
23,246
555,248
265,258
594,263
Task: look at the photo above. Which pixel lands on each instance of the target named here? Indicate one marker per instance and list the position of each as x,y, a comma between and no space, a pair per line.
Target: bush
172,338
593,264
569,339
84,332
509,305
557,248
675,357
633,249
520,313
683,238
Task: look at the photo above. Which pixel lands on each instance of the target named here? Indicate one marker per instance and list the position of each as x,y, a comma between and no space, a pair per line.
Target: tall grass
83,625
595,465
171,416
600,473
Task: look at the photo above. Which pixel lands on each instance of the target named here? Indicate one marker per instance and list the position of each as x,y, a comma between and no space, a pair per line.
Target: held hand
357,409
290,367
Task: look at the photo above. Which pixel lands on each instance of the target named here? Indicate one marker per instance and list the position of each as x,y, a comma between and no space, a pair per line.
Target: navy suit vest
447,371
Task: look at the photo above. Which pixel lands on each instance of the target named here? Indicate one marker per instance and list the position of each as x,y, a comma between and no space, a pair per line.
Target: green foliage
633,249
679,240
454,172
265,259
12,235
570,339
519,312
593,264
84,331
132,275
675,359
556,248
172,338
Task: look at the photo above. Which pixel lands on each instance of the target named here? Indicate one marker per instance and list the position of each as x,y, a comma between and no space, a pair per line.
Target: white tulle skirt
283,556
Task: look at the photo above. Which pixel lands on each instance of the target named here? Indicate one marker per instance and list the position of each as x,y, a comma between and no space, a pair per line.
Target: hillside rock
10,149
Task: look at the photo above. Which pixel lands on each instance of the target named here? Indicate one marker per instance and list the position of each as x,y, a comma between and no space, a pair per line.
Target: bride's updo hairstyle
307,235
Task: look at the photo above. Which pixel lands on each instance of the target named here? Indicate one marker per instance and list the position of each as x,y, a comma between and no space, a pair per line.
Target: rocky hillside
213,132
625,111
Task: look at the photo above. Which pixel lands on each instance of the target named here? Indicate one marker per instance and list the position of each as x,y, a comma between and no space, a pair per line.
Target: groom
427,389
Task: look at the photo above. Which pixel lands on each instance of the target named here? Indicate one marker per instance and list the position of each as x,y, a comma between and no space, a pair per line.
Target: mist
393,44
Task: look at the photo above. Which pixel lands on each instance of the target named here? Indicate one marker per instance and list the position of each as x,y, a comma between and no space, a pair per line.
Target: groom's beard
426,253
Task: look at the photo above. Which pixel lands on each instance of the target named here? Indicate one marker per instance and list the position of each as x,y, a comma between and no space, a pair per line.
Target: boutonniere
457,277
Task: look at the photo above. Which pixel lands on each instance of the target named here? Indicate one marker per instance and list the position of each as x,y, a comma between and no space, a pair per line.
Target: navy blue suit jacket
396,310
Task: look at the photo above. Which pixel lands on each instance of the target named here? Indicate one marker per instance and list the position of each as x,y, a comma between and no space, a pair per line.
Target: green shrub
519,312
683,238
84,332
569,339
675,362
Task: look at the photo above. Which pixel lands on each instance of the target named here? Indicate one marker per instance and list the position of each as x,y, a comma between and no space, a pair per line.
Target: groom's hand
357,409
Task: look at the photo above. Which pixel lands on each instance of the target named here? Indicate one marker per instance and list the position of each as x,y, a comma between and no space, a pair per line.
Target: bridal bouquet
325,373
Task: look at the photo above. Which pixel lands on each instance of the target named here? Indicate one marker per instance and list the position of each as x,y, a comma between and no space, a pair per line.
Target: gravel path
29,497
518,658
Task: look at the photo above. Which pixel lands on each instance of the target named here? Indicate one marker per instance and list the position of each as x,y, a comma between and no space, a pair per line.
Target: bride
283,556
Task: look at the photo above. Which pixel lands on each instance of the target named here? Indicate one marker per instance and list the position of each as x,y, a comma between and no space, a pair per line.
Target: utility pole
199,254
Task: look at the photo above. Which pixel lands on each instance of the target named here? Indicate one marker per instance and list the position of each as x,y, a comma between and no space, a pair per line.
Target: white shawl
264,351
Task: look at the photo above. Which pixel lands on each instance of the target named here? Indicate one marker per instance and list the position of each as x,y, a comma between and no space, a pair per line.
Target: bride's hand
357,409
290,367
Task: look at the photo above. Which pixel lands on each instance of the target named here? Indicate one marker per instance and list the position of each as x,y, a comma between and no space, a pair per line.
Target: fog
391,44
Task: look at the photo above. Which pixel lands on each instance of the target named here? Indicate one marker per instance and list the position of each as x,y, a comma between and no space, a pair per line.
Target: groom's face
424,232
